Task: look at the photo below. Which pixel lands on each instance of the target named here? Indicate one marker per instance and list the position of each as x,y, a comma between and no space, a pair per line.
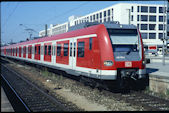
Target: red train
108,52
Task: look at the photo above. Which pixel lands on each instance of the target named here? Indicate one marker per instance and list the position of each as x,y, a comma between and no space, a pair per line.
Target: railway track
139,98
34,98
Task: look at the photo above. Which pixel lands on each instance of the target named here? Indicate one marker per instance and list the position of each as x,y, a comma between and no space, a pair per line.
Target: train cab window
39,50
81,46
65,49
58,49
45,49
70,49
49,50
90,44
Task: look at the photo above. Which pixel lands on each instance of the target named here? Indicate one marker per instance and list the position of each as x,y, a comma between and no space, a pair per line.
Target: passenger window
39,50
70,49
81,46
45,49
30,50
58,49
49,50
90,43
65,49
35,50
74,49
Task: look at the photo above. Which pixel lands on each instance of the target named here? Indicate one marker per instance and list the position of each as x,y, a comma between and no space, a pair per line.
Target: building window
131,17
100,15
160,36
97,16
104,14
138,17
81,46
152,18
90,18
152,35
144,17
65,49
152,26
93,17
160,27
144,35
143,26
138,8
131,8
144,9
160,18
109,12
152,10
138,26
160,9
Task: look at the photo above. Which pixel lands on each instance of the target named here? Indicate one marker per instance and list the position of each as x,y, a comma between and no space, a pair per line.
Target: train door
37,51
73,52
47,52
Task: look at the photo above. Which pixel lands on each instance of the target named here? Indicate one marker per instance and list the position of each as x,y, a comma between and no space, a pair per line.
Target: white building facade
149,18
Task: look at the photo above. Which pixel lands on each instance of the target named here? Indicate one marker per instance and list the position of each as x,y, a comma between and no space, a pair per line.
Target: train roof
112,24
70,34
78,30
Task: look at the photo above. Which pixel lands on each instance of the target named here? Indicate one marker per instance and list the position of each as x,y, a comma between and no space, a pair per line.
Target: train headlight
108,63
143,62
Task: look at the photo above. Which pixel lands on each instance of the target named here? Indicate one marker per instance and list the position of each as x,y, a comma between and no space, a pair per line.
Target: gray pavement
5,104
158,69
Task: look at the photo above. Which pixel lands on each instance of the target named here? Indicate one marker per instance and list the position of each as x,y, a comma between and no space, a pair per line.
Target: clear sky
35,15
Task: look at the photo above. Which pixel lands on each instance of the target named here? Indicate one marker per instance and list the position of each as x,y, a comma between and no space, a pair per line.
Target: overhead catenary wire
66,12
13,11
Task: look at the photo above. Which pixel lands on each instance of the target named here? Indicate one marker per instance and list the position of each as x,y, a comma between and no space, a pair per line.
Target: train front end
127,54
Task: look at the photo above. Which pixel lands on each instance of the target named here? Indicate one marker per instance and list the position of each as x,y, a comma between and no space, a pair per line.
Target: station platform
158,69
5,104
158,77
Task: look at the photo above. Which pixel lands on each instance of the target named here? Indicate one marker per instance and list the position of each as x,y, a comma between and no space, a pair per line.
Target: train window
49,50
65,49
35,50
81,46
90,44
45,49
39,50
74,49
70,49
30,50
58,49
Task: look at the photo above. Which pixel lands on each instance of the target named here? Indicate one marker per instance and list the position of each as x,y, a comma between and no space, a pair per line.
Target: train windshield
126,44
124,40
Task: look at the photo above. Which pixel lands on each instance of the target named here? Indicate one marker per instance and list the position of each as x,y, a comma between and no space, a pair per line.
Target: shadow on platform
151,70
